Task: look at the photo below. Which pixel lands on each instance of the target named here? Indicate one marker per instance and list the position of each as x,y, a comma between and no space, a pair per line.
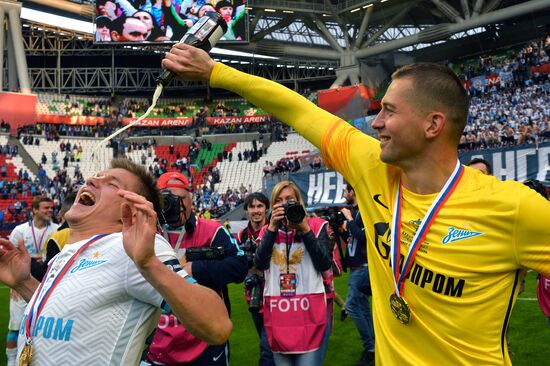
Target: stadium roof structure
328,35
325,29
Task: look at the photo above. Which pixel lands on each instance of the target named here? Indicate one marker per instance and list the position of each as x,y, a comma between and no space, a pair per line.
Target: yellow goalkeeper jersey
465,277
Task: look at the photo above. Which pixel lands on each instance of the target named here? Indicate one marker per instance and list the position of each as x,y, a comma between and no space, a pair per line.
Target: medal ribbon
38,245
420,235
34,313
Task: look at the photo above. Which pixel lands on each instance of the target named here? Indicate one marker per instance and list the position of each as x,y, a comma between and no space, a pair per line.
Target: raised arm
199,308
310,121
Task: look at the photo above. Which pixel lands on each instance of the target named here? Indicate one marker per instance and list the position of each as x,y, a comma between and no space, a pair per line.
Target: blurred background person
357,303
255,205
33,234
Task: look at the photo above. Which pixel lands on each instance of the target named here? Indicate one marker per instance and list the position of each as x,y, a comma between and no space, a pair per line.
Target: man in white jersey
34,235
98,300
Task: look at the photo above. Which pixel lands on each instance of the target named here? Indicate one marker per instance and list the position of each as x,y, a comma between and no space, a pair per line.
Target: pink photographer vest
294,324
543,293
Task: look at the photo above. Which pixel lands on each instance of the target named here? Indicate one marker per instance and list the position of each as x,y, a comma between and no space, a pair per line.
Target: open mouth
86,199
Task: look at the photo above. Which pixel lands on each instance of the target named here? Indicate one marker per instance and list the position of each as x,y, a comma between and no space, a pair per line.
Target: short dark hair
37,200
437,86
349,187
147,187
482,161
256,196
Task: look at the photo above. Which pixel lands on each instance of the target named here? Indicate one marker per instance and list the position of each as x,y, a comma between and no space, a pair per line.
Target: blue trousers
266,356
358,305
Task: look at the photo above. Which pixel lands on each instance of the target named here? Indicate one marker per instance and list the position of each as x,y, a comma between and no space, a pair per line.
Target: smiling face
400,124
44,211
256,212
98,203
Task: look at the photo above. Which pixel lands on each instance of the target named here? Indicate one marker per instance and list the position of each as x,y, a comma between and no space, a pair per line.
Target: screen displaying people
157,21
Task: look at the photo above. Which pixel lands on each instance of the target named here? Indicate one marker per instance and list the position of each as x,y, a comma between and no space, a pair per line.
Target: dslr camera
253,283
249,249
204,253
294,212
171,208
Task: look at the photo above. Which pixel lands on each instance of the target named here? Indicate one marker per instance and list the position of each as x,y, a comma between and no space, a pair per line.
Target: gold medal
400,308
26,355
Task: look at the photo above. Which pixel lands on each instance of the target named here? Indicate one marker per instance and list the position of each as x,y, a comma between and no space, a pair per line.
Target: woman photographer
293,252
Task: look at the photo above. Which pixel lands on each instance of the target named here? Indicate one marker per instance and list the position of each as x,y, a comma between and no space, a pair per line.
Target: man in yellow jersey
471,234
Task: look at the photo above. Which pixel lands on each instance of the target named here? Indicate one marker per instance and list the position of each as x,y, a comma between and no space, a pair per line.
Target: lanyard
420,235
180,237
38,246
288,248
35,309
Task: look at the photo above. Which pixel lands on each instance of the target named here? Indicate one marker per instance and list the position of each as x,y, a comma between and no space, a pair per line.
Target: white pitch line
528,298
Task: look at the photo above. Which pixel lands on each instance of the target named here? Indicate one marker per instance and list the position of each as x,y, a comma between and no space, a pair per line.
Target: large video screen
164,21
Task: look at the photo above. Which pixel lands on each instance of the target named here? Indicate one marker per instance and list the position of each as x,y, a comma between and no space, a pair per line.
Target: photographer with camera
293,253
357,302
210,255
255,205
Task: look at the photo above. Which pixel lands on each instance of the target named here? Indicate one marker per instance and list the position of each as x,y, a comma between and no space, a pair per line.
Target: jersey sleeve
138,287
332,135
532,235
16,235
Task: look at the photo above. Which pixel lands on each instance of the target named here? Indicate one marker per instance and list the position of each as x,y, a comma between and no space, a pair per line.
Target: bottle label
200,30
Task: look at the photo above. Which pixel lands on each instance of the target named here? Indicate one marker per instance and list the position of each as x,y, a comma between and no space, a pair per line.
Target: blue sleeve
218,273
357,229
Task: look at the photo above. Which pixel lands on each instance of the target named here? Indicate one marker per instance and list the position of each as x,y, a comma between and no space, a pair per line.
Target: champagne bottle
204,35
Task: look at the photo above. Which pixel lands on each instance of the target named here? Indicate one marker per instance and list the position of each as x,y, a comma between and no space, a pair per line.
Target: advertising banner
238,120
161,122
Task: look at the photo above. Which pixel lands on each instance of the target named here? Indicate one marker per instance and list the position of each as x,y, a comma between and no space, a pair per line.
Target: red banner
347,102
17,109
543,69
161,122
70,120
237,120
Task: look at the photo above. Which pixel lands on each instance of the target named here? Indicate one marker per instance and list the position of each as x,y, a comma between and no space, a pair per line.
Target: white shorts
17,309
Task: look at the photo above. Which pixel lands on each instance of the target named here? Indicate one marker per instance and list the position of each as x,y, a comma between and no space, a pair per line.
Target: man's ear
114,35
436,122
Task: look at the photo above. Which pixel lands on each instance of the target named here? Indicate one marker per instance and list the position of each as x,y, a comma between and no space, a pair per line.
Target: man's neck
39,223
80,232
256,226
428,177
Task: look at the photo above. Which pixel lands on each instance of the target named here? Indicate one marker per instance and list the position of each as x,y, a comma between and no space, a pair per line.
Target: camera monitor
164,21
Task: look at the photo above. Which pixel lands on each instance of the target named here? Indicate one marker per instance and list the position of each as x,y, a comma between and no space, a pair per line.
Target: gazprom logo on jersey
458,234
57,329
88,263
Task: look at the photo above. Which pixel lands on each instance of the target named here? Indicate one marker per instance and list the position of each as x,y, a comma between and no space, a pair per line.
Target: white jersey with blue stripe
101,311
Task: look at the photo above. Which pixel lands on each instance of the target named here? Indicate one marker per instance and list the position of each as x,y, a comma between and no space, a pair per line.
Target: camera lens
295,213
